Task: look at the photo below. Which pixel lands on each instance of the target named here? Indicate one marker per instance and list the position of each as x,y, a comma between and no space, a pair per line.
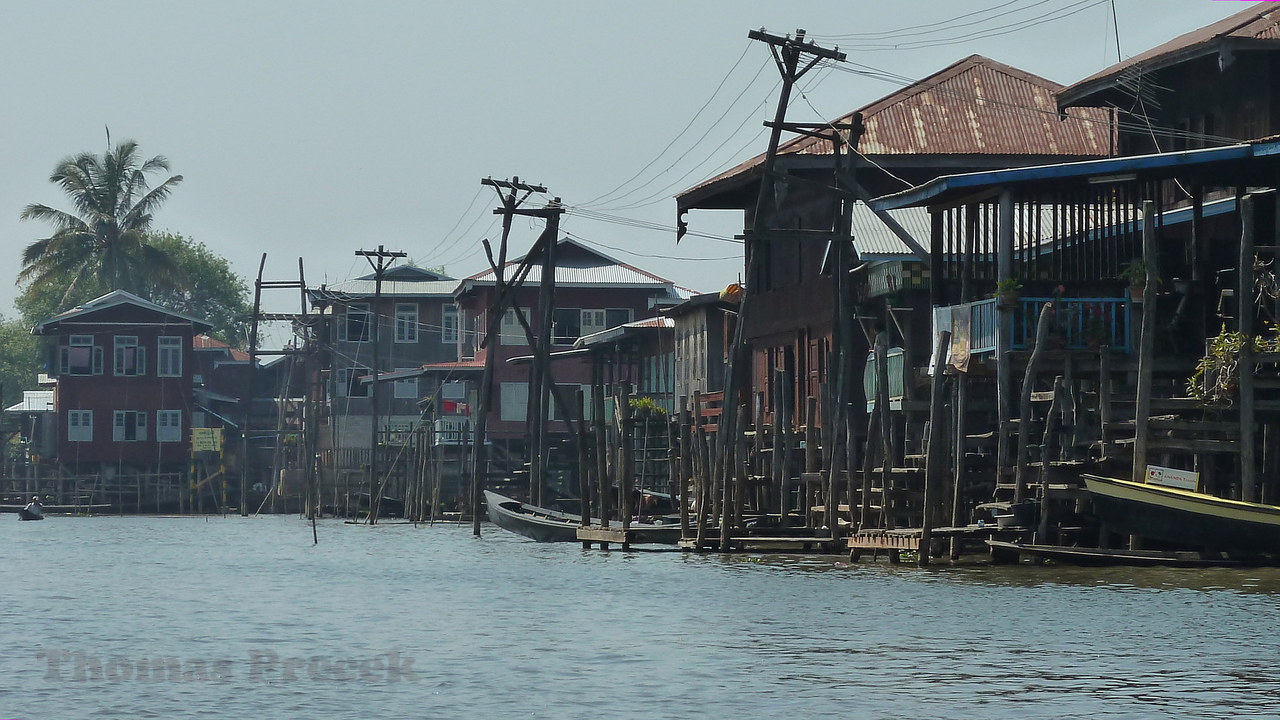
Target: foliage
19,360
210,290
103,242
646,407
1135,271
1216,377
1007,286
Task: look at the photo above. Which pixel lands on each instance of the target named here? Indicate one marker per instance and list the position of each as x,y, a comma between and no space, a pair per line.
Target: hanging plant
1217,378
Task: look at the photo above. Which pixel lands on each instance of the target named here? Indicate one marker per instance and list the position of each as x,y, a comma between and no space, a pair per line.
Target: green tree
19,360
210,290
102,243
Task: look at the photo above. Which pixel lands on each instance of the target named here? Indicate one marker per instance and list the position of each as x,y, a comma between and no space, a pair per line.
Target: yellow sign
206,439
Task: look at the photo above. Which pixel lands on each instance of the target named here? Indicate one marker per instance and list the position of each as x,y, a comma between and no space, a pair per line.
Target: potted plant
1135,271
1007,292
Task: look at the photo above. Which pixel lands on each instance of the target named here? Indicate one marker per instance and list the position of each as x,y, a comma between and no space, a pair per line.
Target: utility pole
794,57
511,202
379,260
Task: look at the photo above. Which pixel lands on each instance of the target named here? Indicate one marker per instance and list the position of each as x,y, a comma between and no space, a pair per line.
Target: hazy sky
312,128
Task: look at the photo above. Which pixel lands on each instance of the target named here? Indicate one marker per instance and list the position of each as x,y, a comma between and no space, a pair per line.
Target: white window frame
592,322
120,425
514,402
79,426
406,388
406,322
80,341
124,345
449,324
344,326
510,331
168,426
169,356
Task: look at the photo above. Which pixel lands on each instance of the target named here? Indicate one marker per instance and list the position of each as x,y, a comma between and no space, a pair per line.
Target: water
258,623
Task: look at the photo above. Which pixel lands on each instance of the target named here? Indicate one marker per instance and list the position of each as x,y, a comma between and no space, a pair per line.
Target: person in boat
34,507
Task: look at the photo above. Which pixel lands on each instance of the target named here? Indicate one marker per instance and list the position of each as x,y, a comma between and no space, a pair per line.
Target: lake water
141,617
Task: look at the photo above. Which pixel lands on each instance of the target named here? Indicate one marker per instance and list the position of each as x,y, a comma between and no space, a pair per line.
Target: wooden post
584,462
686,466
1024,404
935,454
1051,427
958,464
886,429
1146,343
868,467
1246,311
783,429
626,464
703,475
1104,397
602,452
812,455
758,466
1004,340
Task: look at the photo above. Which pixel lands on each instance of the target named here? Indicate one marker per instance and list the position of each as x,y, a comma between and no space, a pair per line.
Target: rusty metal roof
976,106
1256,27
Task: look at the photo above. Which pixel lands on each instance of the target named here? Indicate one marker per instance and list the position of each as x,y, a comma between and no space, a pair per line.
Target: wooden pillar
813,460
935,454
626,463
1246,311
886,430
602,447
1024,405
1146,343
1050,431
584,461
685,470
1004,340
958,463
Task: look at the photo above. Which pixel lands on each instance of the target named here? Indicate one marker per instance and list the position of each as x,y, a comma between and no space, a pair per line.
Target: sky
312,129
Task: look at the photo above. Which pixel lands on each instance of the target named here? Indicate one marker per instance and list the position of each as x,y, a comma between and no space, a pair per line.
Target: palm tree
101,245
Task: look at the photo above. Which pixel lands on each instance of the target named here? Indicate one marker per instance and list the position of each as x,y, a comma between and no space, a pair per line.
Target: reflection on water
243,617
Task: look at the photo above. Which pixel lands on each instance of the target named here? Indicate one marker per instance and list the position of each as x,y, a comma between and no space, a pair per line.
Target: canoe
1185,518
1101,556
546,525
25,514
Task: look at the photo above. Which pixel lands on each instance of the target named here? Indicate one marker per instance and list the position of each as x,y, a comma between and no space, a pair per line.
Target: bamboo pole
886,430
1146,344
959,412
1246,311
1024,404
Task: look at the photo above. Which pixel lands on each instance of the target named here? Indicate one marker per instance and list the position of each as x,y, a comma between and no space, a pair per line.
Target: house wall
103,394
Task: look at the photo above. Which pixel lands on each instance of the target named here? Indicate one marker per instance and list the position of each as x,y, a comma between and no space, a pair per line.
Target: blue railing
1083,323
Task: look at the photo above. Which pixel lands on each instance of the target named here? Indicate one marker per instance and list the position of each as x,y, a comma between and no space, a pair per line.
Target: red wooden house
123,367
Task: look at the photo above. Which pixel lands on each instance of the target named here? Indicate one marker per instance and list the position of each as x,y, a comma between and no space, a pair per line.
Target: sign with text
1174,478
206,439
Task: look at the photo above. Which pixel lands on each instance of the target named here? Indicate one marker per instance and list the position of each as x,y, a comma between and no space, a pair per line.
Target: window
406,322
449,325
169,356
80,356
514,401
512,332
613,317
79,426
168,426
593,321
566,325
349,384
130,360
407,387
129,426
354,326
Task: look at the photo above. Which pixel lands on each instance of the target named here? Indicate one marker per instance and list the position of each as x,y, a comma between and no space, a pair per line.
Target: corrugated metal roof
1259,22
976,106
874,240
586,267
113,299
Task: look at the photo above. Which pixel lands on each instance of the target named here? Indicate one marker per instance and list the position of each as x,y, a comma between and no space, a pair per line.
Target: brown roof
1257,26
976,106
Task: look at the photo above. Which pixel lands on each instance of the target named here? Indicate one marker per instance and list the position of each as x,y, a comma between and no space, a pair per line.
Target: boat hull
1105,557
25,514
1185,518
546,525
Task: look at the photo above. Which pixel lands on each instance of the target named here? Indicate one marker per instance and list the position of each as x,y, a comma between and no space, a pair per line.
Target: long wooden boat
1101,556
25,514
1188,519
545,525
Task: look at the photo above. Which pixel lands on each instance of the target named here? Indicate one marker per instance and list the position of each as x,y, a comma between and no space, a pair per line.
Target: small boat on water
1106,556
32,511
1186,518
546,525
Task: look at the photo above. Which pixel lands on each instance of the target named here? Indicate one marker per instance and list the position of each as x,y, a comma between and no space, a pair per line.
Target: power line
941,25
1051,16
